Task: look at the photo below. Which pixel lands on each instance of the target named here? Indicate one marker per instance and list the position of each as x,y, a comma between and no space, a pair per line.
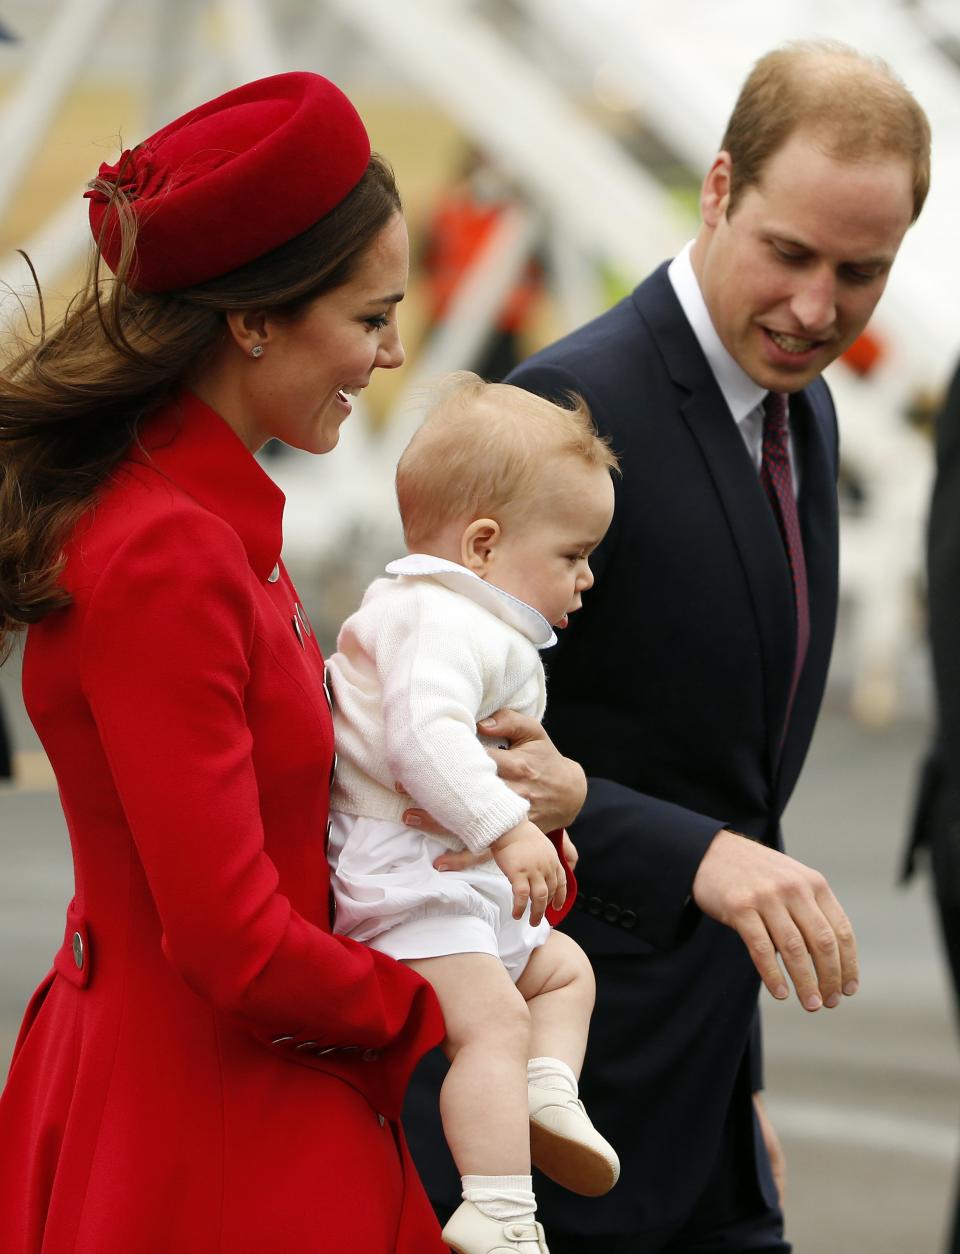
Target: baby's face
543,554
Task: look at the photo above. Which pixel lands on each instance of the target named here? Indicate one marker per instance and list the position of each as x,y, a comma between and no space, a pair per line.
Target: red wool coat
206,1070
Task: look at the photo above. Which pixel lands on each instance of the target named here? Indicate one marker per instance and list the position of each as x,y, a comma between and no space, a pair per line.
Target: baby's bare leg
559,988
483,1101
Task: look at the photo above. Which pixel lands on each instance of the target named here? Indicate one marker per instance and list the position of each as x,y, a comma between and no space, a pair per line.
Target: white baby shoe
470,1231
566,1146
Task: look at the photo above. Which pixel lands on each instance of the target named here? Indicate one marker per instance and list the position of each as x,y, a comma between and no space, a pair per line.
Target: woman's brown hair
72,401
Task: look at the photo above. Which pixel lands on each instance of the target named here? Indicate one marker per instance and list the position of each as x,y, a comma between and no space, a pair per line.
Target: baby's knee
500,1021
571,966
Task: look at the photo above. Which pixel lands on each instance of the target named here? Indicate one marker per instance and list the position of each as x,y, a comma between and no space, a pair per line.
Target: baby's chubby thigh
482,1007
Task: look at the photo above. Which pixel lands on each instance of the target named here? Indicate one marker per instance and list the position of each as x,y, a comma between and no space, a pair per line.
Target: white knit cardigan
426,656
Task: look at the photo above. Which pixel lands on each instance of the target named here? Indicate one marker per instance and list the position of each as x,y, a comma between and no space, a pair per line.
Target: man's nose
814,304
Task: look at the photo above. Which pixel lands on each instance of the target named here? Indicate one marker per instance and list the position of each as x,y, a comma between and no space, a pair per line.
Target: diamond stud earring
257,350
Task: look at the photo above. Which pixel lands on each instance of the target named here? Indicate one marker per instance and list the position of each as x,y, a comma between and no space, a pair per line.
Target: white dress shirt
744,397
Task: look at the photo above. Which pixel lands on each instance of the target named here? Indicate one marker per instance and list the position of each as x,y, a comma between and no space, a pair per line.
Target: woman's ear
478,545
248,328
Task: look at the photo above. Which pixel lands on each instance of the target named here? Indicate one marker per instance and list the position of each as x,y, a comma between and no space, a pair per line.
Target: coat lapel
739,494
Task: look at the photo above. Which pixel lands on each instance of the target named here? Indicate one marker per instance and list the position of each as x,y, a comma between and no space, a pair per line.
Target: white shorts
389,895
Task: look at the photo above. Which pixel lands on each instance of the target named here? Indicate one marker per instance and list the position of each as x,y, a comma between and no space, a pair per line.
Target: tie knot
776,407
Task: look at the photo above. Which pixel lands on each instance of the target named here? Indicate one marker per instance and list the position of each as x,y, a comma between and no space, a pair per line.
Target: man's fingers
796,957
753,932
512,726
774,932
846,943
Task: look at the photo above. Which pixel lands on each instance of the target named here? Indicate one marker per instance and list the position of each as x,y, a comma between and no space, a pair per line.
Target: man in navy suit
689,684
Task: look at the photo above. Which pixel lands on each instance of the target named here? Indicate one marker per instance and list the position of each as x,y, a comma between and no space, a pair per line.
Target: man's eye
784,255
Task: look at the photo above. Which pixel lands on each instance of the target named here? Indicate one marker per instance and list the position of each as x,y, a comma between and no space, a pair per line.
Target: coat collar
190,444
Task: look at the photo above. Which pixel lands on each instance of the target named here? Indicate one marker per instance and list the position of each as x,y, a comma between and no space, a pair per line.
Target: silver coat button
78,950
274,574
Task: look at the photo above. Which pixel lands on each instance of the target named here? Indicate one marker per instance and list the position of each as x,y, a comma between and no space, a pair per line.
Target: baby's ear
478,544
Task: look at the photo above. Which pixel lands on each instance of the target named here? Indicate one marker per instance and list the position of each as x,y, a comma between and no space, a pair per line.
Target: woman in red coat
206,1070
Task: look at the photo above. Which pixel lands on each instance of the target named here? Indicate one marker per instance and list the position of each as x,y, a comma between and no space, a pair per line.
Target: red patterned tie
777,479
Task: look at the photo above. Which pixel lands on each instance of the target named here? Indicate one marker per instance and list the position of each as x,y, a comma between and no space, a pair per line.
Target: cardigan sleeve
164,667
433,675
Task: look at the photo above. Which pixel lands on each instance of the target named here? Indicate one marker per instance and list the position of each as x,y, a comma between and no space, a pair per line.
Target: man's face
792,275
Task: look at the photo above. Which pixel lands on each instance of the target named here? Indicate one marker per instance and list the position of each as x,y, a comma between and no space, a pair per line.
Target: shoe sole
570,1164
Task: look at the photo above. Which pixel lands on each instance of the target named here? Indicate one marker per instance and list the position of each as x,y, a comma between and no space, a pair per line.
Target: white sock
504,1198
552,1073
501,1197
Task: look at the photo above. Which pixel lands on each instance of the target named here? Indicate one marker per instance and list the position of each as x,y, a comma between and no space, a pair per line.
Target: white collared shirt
744,397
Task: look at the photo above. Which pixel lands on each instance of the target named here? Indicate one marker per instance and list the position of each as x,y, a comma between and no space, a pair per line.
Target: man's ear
248,327
715,192
478,545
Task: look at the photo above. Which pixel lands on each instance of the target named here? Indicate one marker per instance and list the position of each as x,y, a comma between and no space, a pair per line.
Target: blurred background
550,153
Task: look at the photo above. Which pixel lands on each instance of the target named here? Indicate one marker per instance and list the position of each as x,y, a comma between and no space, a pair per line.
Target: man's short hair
487,449
856,105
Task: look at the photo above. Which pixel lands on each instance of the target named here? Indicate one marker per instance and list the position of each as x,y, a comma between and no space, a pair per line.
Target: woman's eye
377,323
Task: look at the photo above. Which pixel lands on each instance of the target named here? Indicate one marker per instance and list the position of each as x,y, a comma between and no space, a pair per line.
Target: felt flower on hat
127,176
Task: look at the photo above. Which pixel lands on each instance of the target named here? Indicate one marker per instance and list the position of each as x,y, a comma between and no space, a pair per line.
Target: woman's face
299,389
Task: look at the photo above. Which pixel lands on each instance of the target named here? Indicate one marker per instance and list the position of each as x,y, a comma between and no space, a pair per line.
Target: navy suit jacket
670,686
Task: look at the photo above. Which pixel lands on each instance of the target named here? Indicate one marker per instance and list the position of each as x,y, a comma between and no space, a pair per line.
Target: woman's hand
569,851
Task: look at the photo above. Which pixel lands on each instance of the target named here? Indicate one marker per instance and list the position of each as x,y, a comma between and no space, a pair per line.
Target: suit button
305,1045
281,1040
78,954
628,918
370,1055
595,906
611,912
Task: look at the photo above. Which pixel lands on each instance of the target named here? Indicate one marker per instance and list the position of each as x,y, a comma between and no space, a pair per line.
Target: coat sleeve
433,682
164,666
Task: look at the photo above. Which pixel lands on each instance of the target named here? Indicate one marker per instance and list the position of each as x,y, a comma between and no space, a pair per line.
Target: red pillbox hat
233,179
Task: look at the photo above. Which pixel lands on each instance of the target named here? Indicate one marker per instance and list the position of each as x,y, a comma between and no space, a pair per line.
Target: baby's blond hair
482,451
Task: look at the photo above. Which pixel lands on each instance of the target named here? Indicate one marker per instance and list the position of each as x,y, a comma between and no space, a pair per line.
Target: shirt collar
192,445
504,605
739,390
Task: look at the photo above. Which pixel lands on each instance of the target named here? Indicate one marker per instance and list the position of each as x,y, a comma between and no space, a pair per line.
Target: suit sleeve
164,666
638,853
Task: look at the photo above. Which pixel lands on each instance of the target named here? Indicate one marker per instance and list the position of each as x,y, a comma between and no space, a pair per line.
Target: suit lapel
739,492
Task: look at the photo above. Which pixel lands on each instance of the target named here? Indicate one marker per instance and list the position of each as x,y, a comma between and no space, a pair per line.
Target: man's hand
555,786
778,905
778,1162
530,862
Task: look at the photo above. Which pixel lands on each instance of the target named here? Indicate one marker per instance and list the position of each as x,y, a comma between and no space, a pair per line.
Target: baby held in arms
503,498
